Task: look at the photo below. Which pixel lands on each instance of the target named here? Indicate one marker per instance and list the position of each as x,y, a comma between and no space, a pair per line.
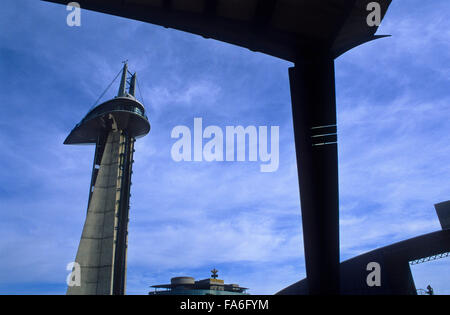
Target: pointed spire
123,81
214,274
132,90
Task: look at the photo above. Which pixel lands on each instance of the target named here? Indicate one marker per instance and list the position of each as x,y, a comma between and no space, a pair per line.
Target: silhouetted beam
393,260
314,117
443,212
209,11
272,40
346,11
264,11
210,8
167,4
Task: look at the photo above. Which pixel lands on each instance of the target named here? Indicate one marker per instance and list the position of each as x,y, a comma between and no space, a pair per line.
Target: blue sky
393,102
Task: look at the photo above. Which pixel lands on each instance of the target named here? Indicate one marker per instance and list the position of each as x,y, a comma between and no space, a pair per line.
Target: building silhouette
188,286
113,127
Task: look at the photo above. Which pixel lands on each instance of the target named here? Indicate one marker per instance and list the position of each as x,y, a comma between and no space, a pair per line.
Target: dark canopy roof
394,261
281,28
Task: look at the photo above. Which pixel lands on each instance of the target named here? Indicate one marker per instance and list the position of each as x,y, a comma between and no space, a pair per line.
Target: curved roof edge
394,258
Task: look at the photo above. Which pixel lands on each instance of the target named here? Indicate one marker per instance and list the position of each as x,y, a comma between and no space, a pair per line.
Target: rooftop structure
188,286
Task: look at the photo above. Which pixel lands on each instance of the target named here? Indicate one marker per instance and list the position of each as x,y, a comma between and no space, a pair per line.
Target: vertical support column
96,250
396,277
102,253
314,115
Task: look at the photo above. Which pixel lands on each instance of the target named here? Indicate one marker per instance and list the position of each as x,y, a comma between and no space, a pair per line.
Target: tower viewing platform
124,112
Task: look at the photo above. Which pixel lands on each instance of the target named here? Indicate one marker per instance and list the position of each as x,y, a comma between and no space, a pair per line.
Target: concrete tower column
96,251
103,246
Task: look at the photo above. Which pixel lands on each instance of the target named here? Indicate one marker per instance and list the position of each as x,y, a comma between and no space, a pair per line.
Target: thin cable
140,93
106,89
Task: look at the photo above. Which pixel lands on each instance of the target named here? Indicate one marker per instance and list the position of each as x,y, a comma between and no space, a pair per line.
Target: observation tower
113,127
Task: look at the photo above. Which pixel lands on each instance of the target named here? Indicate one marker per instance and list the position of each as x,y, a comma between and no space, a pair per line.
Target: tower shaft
103,247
